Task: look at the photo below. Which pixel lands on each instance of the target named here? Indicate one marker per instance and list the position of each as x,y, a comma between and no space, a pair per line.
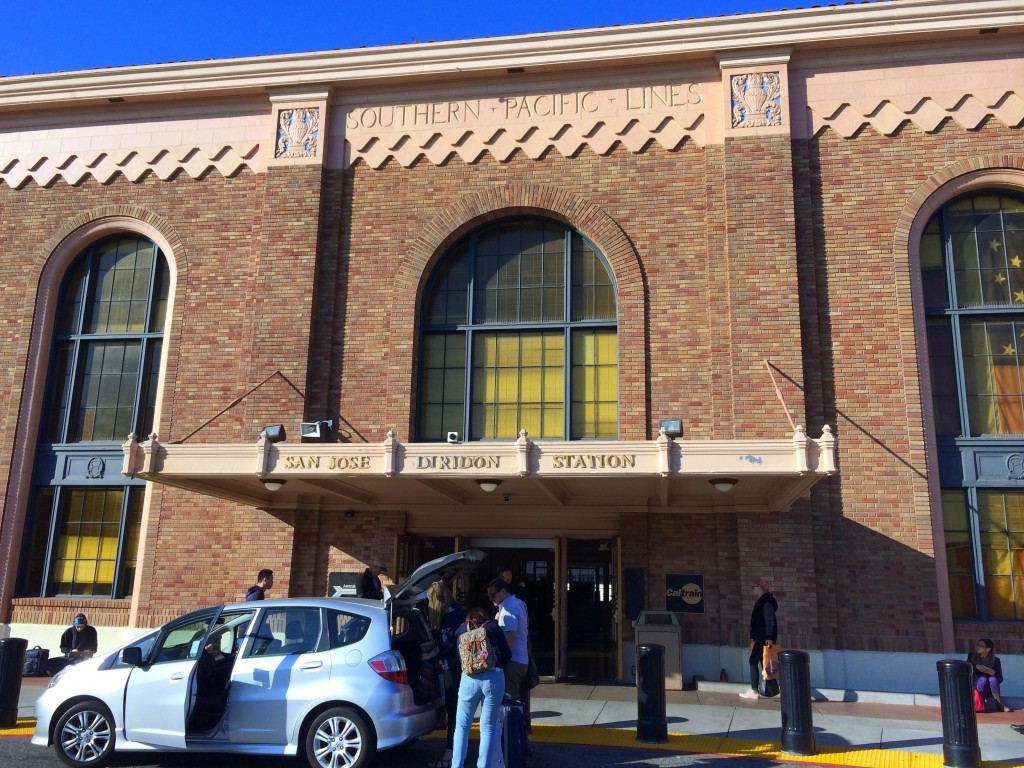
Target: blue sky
64,35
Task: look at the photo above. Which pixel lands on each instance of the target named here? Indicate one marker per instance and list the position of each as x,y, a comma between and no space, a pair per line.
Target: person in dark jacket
764,631
79,641
369,585
446,616
988,670
258,591
487,687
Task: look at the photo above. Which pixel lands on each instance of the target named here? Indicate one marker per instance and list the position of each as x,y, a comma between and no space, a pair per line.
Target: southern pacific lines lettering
593,461
458,462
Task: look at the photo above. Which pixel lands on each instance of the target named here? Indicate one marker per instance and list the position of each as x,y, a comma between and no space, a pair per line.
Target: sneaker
749,695
1018,728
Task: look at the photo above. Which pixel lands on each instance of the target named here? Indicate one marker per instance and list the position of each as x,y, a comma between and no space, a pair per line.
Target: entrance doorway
591,599
570,587
532,562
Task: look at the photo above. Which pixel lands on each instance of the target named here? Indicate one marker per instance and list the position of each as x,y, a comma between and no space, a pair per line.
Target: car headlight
58,677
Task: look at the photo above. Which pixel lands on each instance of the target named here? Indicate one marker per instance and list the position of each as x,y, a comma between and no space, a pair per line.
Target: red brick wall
247,249
724,256
873,521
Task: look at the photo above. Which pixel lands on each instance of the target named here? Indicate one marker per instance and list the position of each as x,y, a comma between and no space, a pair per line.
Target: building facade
644,312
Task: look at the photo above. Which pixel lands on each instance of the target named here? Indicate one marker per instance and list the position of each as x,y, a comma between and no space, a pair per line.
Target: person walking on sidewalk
764,631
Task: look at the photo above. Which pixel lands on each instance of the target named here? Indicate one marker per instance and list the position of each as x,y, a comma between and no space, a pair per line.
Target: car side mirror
132,655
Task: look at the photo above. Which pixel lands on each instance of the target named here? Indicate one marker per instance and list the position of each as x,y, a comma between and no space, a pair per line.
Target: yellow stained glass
507,421
554,384
995,560
85,571
999,595
608,383
532,348
105,572
530,385
530,419
508,350
508,385
553,421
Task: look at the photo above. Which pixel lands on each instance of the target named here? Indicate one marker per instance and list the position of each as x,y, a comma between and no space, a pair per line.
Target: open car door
159,694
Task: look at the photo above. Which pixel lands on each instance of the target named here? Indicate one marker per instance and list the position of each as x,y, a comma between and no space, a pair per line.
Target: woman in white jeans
487,687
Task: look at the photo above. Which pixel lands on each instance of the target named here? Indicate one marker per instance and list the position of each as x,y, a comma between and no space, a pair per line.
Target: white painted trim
707,36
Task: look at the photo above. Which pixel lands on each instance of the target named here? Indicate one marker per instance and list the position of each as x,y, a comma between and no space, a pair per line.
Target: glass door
591,602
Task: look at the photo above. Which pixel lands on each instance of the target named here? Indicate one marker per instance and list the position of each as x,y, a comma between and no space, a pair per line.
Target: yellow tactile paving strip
24,727
851,757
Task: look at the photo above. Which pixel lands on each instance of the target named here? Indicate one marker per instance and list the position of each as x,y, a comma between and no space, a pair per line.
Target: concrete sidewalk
866,721
864,730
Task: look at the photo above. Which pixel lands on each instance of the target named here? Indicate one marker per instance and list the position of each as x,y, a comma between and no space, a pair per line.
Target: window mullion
974,529
51,542
467,397
122,542
955,330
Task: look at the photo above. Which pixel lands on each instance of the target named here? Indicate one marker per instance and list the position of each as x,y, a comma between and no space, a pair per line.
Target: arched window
519,332
972,269
82,534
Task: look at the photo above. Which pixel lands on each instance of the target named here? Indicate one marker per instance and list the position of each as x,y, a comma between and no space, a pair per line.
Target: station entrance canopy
674,474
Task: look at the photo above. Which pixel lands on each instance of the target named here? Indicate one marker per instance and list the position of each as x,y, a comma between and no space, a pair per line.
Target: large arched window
972,269
82,534
519,332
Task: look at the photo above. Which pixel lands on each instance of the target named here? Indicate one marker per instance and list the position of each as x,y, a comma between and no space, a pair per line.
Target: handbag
770,662
532,679
979,703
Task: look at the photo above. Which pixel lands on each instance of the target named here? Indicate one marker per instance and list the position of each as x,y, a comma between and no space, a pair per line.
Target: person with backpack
483,654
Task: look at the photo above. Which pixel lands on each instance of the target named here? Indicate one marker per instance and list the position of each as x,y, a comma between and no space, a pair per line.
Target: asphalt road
17,751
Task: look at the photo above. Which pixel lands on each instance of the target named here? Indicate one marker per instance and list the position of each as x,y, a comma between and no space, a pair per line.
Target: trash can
662,628
12,659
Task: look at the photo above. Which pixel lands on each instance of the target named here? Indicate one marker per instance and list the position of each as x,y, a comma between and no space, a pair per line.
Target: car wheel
340,738
85,735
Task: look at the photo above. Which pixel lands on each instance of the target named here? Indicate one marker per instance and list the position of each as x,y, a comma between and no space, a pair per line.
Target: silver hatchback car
333,679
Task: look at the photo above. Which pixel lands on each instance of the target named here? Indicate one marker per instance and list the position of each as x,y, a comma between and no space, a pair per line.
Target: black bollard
797,719
960,748
651,725
12,660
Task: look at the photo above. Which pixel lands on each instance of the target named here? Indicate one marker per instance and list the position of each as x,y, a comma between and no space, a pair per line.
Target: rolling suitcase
514,746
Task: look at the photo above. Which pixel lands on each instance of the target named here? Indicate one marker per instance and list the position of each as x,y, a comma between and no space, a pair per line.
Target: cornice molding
708,36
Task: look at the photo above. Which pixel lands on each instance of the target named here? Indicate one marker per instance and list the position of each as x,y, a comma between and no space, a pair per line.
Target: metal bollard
797,719
960,747
12,660
651,725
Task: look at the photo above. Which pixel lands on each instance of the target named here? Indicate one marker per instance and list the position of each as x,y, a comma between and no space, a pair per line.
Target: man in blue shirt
515,622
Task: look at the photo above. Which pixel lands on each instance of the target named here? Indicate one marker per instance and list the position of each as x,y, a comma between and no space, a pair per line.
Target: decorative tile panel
298,133
756,99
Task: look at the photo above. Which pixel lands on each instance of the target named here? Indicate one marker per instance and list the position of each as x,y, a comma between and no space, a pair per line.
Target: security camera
453,437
